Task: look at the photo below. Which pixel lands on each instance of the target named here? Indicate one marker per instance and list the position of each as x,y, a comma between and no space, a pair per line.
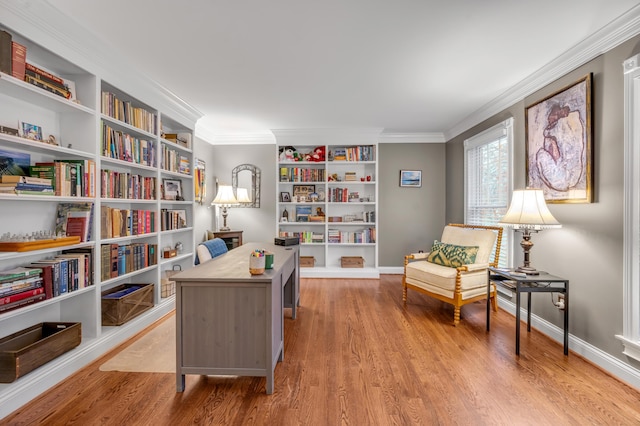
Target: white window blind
488,182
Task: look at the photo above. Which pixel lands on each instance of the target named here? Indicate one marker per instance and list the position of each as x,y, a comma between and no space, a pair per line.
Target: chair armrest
473,267
416,256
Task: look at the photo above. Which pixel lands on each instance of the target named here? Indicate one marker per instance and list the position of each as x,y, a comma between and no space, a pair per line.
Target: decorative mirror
247,176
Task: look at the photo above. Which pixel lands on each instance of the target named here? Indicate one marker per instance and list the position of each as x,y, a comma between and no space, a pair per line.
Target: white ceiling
404,65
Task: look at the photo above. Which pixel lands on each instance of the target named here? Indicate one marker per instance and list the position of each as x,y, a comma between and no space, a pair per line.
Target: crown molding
328,136
42,23
411,138
208,135
603,40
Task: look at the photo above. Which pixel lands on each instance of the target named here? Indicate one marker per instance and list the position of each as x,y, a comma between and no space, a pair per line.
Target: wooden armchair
455,270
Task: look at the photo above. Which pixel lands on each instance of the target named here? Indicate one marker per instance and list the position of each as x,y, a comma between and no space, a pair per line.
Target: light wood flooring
357,356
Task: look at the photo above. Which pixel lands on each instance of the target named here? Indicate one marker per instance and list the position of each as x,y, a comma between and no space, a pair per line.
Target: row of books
173,219
354,153
120,259
301,174
126,112
123,146
127,185
46,278
308,237
343,195
174,161
13,56
51,83
69,178
126,222
354,217
183,139
367,235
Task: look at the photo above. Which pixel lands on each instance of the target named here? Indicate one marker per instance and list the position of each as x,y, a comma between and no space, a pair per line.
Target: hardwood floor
357,356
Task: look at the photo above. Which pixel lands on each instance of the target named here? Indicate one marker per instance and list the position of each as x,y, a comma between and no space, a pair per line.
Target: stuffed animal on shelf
319,211
317,155
289,153
333,178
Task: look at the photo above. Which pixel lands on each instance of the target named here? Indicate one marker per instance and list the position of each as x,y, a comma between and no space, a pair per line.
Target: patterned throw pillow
451,255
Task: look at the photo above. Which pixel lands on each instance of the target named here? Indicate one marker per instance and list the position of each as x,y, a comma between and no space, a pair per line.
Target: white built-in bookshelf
331,205
150,172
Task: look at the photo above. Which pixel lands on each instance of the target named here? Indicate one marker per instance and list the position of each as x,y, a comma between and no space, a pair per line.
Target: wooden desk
232,239
229,322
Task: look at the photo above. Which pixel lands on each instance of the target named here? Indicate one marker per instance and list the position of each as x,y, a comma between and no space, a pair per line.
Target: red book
19,296
76,227
18,60
47,75
47,277
20,303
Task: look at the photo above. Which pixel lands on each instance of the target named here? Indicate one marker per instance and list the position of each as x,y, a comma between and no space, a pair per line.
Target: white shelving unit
78,129
349,226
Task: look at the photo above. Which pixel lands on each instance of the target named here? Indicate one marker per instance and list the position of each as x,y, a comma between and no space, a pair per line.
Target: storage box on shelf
28,349
327,197
125,302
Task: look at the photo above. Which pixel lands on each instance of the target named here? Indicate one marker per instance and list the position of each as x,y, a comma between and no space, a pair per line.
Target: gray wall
588,248
409,219
257,224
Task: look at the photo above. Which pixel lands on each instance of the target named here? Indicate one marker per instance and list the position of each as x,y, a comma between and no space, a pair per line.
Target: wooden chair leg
456,315
404,291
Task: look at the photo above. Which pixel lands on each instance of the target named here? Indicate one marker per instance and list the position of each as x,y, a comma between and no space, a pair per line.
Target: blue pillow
216,247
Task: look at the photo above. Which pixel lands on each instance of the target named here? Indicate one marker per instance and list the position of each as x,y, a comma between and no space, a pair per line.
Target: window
631,245
488,181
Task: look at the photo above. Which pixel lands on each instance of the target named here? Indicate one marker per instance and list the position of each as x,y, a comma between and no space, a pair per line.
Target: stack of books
19,287
47,81
26,185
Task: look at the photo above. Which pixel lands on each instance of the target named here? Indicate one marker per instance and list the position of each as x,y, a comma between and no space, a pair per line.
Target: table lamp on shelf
528,212
225,199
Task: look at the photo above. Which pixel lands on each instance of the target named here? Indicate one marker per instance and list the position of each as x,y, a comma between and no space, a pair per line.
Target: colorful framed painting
559,144
200,187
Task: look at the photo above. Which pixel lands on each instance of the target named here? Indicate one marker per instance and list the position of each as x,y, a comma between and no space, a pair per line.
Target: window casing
488,180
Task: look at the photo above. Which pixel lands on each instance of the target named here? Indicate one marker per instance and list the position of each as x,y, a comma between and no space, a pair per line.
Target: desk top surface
234,265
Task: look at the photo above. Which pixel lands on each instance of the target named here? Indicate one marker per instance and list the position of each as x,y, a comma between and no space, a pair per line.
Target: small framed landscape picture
172,189
31,131
285,197
411,178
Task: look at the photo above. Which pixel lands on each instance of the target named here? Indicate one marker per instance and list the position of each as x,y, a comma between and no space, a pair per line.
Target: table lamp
225,199
242,195
528,212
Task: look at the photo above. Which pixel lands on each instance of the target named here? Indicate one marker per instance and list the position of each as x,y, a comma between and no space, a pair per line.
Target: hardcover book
18,60
5,52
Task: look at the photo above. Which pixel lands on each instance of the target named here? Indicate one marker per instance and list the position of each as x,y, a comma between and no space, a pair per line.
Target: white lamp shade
528,210
225,196
243,195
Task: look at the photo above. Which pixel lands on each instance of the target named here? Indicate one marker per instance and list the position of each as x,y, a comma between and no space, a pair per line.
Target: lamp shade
225,196
243,195
528,210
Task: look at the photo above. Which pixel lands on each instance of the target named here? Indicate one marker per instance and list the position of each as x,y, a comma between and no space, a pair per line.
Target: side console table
232,239
542,283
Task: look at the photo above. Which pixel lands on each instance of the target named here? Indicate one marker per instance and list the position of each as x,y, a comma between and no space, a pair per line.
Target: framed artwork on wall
200,188
411,178
558,144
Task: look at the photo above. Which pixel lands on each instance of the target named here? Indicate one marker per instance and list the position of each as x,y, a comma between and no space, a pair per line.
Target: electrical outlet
560,303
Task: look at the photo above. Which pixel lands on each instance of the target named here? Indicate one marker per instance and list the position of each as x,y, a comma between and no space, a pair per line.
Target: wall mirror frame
239,177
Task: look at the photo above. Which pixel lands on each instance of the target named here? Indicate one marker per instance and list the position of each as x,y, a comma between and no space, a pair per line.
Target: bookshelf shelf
328,178
78,128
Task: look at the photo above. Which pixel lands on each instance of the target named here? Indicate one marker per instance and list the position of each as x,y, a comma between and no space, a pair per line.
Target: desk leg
529,312
517,318
566,318
270,382
180,382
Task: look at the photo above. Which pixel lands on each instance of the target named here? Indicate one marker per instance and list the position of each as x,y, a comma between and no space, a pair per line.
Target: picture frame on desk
172,189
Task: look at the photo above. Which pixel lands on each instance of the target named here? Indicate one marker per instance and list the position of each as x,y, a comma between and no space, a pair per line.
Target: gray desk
229,322
542,283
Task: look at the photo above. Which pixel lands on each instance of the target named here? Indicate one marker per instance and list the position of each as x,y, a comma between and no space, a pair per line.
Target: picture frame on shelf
285,197
172,189
411,178
30,131
559,149
305,191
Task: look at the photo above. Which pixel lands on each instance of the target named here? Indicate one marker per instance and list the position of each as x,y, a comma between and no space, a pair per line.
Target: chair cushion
210,249
483,238
452,255
420,273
